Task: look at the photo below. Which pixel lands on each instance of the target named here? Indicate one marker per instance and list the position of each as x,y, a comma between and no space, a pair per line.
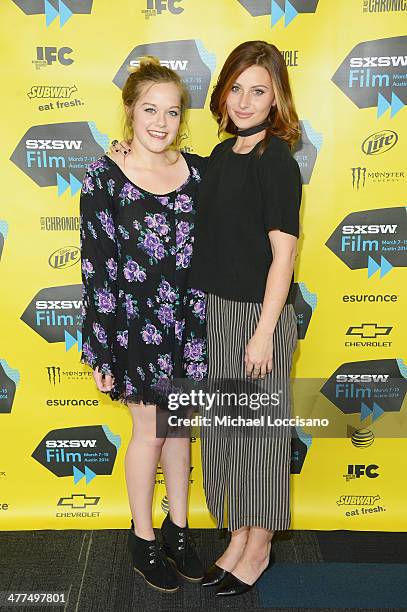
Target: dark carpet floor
93,569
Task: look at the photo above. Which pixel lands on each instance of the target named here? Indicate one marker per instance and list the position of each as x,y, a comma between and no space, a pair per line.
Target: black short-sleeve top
243,197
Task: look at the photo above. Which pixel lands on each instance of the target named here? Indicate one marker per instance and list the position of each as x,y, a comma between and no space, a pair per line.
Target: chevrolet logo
78,500
368,330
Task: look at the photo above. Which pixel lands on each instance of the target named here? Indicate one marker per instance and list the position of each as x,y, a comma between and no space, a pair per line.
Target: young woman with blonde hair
142,325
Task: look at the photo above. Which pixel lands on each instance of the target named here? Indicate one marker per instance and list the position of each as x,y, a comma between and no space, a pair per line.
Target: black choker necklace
253,130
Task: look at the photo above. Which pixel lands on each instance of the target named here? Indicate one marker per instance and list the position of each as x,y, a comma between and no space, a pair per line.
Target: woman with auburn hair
244,253
142,325
245,248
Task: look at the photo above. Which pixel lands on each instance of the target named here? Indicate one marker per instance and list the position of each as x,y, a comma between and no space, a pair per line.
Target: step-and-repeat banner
63,443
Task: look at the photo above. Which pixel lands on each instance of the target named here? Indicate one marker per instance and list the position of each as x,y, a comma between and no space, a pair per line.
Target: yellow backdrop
62,442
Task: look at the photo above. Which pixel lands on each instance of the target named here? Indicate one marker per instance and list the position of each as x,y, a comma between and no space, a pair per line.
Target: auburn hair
150,72
283,117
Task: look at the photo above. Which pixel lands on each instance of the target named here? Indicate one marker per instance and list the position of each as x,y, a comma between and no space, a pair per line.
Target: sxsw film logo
46,56
384,6
357,471
55,314
157,7
64,9
360,175
307,149
65,257
81,452
304,303
372,239
369,388
3,234
189,58
58,153
374,75
368,335
9,380
380,142
289,9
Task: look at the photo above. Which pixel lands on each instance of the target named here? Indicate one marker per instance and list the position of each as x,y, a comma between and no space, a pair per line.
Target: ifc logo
64,258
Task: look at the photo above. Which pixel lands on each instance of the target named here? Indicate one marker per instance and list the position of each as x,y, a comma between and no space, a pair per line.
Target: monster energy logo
358,176
54,373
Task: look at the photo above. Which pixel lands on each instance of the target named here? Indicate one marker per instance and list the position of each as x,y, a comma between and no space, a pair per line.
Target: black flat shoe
214,575
231,585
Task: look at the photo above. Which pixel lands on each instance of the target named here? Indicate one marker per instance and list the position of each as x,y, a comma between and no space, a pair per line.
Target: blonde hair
283,117
151,72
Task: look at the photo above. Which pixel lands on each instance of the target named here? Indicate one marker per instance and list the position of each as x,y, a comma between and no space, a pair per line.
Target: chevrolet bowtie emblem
369,330
78,500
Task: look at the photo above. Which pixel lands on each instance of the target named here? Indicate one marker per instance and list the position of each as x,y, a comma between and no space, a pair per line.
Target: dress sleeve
282,189
99,256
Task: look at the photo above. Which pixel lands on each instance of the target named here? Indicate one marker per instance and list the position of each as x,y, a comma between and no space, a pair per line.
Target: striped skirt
246,470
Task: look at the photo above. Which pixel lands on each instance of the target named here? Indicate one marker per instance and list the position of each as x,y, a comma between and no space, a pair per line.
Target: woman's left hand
259,355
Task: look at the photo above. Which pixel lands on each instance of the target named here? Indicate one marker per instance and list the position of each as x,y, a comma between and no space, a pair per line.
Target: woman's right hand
122,147
104,382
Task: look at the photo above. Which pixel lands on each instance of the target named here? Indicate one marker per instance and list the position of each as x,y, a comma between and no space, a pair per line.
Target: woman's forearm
277,288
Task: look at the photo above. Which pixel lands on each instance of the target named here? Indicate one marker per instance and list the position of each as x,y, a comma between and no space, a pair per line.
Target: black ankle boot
149,561
179,550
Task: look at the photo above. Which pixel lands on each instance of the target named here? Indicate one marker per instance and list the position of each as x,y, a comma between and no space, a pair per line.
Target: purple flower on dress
179,328
107,223
129,388
197,371
105,301
88,353
129,193
131,306
111,267
183,229
99,164
164,201
141,372
123,338
87,184
122,230
87,268
166,292
165,315
183,203
157,222
194,349
150,334
133,272
195,174
100,334
152,245
110,187
92,229
199,309
165,363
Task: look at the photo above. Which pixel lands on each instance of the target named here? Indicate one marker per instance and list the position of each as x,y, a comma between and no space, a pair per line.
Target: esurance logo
307,149
9,379
370,388
64,9
289,9
55,314
81,452
374,75
304,303
57,154
189,58
379,142
371,239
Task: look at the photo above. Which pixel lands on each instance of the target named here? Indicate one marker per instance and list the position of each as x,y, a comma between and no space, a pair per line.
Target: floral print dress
140,321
